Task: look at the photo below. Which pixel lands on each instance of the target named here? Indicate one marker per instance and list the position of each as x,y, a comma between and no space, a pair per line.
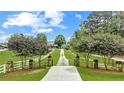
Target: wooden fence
16,66
3,68
19,65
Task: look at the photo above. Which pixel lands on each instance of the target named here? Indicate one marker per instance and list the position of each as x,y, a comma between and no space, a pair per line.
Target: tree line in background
60,41
26,46
102,34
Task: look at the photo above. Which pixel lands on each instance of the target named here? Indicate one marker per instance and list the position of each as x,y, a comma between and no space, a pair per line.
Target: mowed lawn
8,56
92,74
100,75
11,56
31,75
55,56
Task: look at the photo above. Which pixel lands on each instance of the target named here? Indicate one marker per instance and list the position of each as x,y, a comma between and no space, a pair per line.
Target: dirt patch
23,72
105,71
35,71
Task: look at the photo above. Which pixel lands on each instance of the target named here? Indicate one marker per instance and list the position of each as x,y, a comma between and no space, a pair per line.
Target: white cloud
3,36
22,19
61,26
39,22
43,30
55,18
78,16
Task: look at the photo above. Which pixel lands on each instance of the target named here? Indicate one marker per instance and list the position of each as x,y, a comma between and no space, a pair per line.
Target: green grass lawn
8,56
91,74
31,75
71,55
82,59
99,75
11,56
55,55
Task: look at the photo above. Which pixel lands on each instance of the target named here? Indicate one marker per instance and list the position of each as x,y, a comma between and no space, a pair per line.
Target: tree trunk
22,62
25,60
87,59
106,67
87,63
39,61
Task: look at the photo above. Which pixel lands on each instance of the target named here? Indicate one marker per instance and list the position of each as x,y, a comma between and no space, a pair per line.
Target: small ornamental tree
107,45
41,47
82,42
22,44
85,46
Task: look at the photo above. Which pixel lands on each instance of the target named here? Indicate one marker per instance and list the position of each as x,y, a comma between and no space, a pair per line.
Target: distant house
3,47
51,44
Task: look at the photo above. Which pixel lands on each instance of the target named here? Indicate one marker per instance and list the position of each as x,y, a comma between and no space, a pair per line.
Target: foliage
105,44
67,47
82,42
97,19
108,45
101,34
41,47
23,45
28,45
105,21
60,40
91,74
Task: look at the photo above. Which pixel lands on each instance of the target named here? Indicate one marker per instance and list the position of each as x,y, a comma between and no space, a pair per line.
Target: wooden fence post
4,68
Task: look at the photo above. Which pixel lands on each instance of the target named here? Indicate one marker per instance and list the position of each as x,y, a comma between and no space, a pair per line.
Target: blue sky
48,22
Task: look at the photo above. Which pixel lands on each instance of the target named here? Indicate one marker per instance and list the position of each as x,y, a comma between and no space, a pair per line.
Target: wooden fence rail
16,66
3,68
19,65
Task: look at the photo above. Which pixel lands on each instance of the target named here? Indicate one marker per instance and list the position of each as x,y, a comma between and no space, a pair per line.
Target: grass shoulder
90,74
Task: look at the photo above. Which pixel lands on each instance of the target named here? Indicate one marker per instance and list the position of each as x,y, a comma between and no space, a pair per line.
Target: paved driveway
62,72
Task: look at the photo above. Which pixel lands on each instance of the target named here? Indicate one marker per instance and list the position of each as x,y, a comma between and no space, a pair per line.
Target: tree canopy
101,34
28,45
60,40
